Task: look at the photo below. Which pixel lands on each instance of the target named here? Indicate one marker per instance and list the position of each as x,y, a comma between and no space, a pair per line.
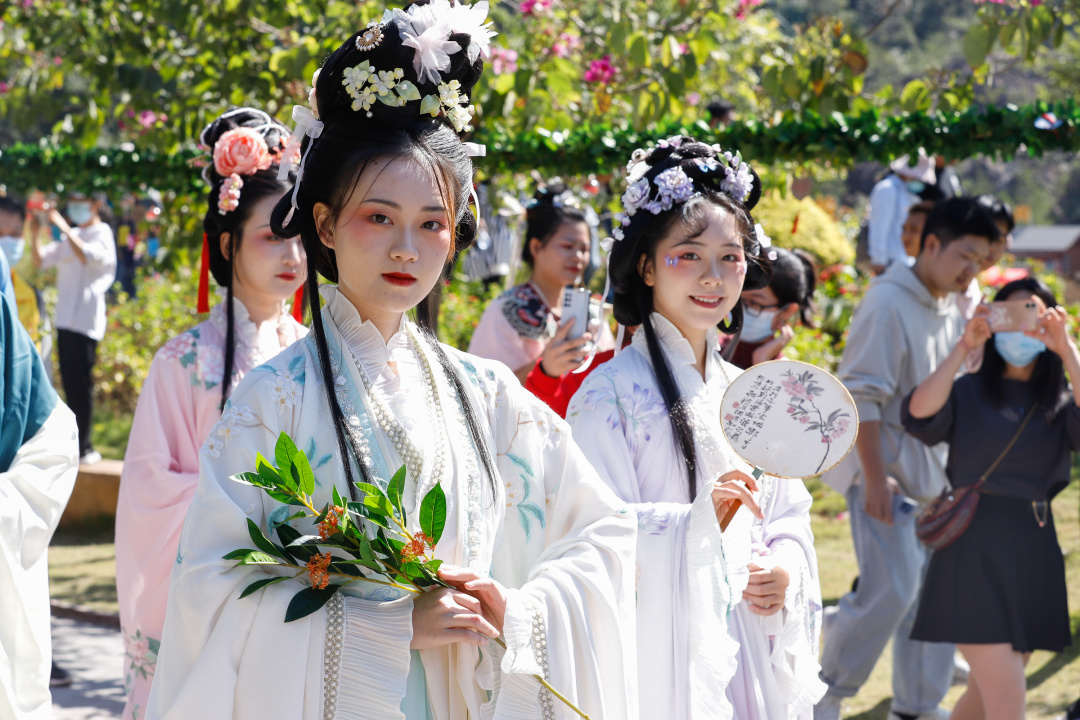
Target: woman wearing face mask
85,259
767,310
521,327
998,592
193,374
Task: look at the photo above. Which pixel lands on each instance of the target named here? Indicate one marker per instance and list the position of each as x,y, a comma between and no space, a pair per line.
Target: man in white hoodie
907,323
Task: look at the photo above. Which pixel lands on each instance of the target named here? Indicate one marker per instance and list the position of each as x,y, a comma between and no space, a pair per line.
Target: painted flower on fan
241,151
317,573
330,523
229,195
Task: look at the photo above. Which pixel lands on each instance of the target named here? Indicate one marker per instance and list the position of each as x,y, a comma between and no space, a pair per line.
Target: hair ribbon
307,125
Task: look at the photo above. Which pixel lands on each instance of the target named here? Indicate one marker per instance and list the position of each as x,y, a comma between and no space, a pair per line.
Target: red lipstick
399,279
287,277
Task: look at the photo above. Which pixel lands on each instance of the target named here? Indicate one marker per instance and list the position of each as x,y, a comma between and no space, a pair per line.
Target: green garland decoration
836,139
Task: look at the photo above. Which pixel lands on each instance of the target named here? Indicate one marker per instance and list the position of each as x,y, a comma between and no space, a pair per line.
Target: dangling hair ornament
764,240
203,298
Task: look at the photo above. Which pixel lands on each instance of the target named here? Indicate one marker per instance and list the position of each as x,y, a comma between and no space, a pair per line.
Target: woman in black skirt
998,592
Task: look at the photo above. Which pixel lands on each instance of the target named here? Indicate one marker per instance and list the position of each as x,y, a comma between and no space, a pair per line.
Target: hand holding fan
788,419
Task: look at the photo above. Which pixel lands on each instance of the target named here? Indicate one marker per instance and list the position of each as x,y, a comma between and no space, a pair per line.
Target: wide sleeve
934,429
874,357
495,339
882,222
685,566
33,494
161,472
567,557
788,542
240,652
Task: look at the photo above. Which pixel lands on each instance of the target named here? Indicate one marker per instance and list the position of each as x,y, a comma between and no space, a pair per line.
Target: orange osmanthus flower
317,571
329,526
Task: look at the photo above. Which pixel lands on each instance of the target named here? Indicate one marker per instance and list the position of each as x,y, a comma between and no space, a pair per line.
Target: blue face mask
13,248
1018,349
757,325
915,186
79,213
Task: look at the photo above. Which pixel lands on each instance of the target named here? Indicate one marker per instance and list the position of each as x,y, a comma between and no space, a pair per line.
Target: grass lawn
82,570
1053,680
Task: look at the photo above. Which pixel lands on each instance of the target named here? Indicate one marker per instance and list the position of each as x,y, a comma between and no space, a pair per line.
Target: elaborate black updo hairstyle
351,140
642,233
256,186
545,216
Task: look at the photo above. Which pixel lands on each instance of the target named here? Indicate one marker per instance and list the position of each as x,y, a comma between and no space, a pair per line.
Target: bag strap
1031,412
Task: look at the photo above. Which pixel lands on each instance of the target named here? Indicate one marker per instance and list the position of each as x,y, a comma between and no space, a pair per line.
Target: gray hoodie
897,338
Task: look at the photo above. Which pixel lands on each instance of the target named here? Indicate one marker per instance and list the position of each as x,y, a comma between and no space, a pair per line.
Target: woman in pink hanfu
192,375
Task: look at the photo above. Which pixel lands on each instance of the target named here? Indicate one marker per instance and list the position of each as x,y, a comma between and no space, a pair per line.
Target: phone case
576,305
1013,316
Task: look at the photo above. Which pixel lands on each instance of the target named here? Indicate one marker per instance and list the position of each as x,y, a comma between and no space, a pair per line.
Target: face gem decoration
671,261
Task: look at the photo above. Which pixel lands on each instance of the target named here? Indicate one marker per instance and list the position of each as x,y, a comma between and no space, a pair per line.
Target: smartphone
1013,316
576,305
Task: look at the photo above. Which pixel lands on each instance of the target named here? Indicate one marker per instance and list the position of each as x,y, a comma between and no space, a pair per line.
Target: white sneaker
92,457
935,714
828,708
961,670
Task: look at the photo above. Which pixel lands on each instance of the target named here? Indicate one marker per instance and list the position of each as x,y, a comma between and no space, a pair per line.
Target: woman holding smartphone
998,592
524,328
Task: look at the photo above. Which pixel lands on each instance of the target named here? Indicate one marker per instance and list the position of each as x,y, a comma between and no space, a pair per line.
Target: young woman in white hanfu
539,549
712,607
193,373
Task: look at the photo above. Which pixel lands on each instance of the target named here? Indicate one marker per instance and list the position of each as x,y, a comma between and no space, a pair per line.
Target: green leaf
375,499
978,41
237,554
260,584
503,83
288,535
293,465
260,540
396,490
268,472
368,514
249,478
309,600
255,557
433,514
639,50
338,501
915,96
406,90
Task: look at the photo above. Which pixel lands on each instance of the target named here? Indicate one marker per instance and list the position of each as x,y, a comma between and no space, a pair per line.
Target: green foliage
407,563
816,232
463,303
136,329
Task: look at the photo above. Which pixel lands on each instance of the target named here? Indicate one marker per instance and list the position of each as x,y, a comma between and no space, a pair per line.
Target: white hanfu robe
39,450
690,576
554,535
777,673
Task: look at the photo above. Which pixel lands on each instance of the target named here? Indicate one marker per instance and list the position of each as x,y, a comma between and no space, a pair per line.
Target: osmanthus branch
410,566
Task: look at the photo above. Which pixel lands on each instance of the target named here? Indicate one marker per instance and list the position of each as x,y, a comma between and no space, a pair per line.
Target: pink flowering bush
601,71
503,60
534,7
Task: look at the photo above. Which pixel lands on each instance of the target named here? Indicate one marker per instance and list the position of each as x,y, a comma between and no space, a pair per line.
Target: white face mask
757,325
80,213
13,248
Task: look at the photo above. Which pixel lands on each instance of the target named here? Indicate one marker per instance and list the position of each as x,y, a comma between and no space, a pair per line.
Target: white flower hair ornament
427,30
674,186
764,240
